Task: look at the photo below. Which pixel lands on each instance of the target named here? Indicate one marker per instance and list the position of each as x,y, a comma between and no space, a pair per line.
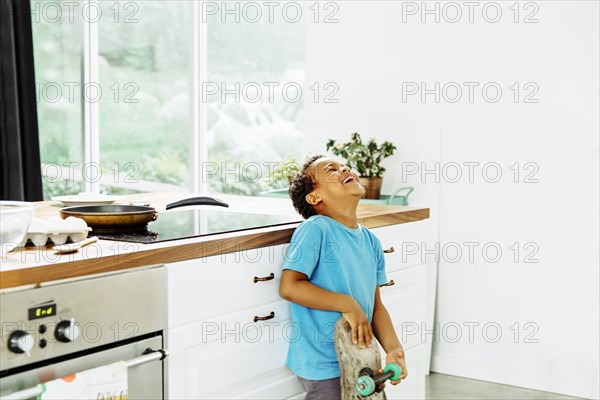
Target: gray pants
327,389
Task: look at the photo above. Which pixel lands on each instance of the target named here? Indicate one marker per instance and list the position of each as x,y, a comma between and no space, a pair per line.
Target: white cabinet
229,332
407,299
233,357
228,328
403,244
214,286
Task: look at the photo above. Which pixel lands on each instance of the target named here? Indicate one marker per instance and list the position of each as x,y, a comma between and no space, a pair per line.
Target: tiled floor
448,387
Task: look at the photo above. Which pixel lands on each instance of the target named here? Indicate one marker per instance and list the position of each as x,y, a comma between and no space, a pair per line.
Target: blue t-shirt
339,259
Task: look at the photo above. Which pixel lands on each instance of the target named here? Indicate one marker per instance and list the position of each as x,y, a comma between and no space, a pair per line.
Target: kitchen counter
34,266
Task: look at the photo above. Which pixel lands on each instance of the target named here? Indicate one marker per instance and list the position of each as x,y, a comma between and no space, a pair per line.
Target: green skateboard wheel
395,368
365,385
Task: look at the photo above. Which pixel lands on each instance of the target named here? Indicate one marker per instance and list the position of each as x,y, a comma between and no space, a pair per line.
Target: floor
448,387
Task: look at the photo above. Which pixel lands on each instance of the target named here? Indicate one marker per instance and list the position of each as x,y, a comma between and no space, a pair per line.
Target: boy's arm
386,334
296,287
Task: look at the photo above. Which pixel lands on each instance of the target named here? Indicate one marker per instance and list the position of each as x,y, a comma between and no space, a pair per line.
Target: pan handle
198,201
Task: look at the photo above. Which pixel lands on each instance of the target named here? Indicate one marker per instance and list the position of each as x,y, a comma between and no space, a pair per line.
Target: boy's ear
312,198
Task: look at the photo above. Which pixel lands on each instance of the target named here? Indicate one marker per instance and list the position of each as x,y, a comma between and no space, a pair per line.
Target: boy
334,268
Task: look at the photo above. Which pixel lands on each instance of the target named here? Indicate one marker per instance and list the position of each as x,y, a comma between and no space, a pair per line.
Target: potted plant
364,158
282,175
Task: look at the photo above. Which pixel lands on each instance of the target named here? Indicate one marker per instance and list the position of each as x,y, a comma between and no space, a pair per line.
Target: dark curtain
21,177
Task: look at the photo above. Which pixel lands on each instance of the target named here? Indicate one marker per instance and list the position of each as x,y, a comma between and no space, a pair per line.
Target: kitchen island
35,265
223,306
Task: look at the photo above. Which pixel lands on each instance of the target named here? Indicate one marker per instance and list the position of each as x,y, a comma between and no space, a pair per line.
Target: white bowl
15,217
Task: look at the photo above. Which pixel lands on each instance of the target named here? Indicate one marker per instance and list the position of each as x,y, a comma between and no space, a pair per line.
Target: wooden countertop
33,266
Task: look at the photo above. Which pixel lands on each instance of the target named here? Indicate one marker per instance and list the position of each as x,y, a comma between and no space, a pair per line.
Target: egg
75,224
56,229
38,225
55,224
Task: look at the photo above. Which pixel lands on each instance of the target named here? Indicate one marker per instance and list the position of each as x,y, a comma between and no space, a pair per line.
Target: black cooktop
182,224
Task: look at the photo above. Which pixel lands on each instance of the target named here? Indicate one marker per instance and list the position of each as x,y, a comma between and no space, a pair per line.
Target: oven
63,328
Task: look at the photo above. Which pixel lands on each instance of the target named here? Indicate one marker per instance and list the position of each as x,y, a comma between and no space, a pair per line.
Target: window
144,117
254,71
57,52
127,101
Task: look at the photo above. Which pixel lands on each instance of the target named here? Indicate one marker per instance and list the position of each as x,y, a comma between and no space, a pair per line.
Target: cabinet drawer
407,240
281,389
405,302
218,285
232,358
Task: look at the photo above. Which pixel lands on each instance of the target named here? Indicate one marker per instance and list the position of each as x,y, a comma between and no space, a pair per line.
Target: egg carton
55,230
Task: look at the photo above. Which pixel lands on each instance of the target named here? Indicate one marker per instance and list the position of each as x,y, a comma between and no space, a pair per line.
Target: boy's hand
362,333
397,356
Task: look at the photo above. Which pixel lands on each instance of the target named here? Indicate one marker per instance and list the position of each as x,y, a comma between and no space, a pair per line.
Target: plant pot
372,187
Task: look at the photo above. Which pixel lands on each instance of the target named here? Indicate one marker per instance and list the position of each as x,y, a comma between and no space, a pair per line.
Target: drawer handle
390,250
270,316
390,283
264,278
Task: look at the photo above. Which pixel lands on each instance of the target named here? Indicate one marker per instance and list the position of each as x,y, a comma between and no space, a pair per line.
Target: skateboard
358,367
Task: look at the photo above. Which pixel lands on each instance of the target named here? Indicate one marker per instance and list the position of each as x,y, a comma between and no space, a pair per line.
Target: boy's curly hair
302,185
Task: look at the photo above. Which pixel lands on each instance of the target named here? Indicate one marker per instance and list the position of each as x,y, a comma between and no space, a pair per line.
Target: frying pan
128,218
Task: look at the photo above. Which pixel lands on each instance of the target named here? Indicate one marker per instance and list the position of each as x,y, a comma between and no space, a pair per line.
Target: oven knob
20,342
66,331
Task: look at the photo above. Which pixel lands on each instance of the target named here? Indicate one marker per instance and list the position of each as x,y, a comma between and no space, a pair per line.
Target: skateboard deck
352,359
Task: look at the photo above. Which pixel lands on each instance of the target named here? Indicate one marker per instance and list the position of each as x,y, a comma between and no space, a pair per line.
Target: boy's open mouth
348,180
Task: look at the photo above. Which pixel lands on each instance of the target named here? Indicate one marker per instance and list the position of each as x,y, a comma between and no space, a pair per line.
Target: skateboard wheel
394,367
365,385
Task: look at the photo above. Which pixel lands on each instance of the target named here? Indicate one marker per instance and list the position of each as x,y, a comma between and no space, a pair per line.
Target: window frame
90,73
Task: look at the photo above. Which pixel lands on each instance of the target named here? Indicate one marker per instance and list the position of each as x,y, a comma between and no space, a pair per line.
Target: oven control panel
55,320
39,331
22,342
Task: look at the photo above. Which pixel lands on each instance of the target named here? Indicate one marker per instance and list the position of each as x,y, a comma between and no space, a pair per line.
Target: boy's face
334,182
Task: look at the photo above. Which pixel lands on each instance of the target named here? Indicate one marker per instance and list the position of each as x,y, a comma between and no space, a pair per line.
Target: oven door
146,377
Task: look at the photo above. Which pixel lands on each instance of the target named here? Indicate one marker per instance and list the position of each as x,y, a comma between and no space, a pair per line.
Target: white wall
369,53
